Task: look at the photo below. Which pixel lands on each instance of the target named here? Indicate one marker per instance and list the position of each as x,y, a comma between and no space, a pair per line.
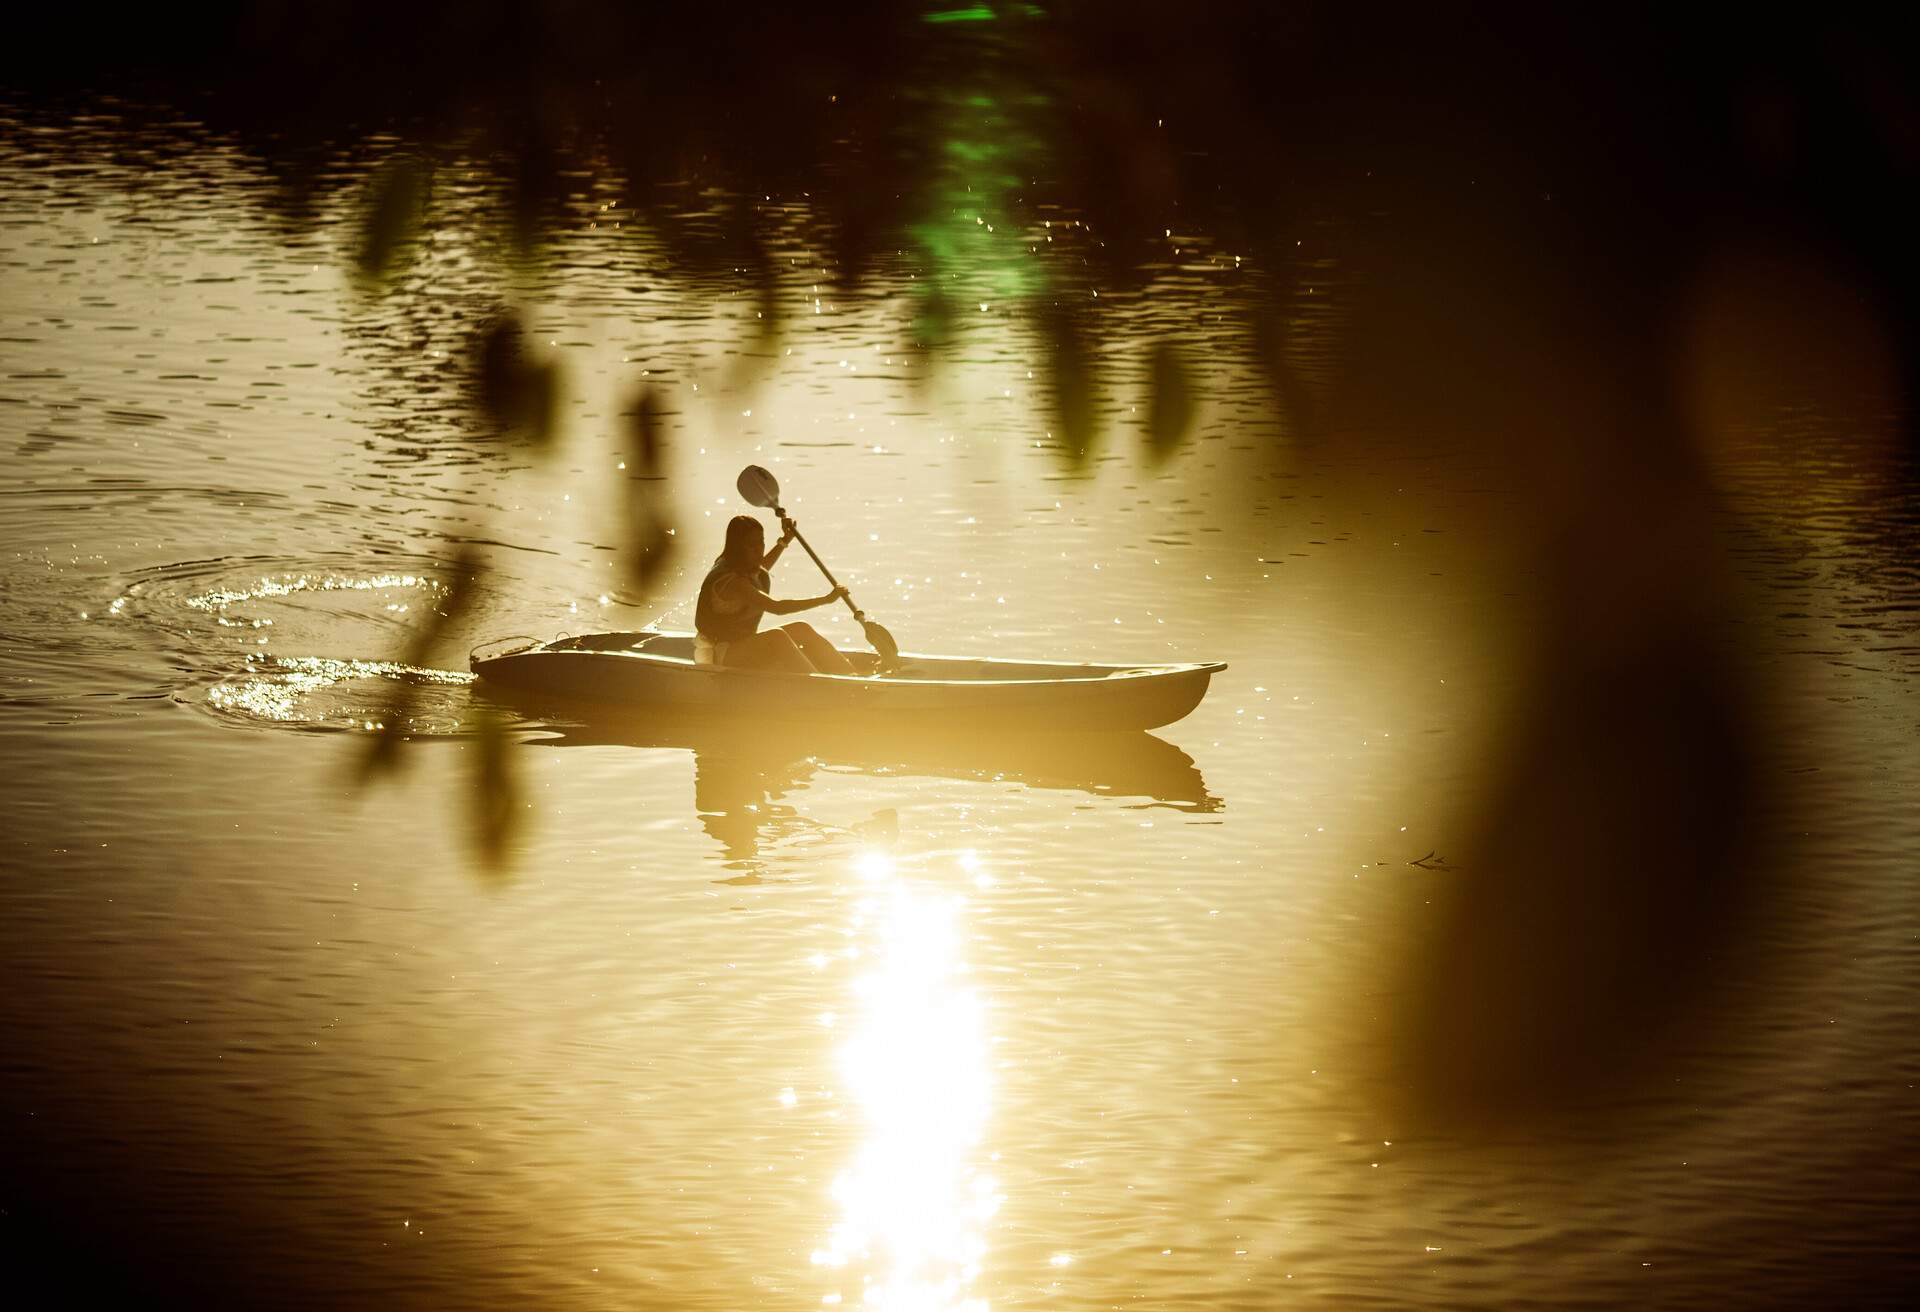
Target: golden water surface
752,1019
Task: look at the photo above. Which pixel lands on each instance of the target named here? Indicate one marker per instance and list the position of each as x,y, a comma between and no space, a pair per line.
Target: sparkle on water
285,688
221,598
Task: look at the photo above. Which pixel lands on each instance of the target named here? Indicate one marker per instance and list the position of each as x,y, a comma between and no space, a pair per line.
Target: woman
734,596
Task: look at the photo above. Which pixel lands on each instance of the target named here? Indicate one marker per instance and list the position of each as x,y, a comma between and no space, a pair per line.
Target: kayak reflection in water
734,596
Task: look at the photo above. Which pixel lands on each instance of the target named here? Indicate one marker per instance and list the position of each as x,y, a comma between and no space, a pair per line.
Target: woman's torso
728,614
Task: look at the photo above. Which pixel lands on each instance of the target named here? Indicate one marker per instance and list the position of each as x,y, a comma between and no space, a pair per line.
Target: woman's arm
735,591
787,531
793,606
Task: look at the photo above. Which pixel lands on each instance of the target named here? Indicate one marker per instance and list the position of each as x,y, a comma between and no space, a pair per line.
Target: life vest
728,626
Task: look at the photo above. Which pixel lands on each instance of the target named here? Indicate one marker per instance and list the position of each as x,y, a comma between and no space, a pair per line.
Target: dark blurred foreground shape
1535,203
1627,837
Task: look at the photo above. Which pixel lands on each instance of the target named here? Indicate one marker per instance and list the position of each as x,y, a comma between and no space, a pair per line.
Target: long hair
746,543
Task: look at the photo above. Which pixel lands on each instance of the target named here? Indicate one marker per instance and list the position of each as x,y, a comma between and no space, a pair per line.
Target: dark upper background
1652,132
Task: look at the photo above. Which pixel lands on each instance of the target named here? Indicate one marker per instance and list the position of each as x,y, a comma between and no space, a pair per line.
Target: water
749,1020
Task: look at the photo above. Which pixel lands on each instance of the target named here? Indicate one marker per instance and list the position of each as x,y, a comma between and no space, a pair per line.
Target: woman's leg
772,650
821,654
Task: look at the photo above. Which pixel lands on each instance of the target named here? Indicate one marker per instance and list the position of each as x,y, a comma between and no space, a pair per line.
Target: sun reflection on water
915,1201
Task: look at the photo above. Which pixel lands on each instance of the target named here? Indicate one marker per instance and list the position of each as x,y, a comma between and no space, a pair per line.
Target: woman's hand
838,594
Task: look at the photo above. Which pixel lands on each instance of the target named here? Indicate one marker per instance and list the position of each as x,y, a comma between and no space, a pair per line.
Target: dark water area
1520,403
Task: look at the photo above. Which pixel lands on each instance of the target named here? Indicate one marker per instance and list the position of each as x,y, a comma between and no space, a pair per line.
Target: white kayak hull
657,670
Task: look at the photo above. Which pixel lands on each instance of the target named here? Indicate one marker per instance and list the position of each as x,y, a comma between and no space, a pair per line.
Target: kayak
657,670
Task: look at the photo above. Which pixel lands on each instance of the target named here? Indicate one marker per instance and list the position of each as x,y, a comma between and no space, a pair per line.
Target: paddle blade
759,487
881,641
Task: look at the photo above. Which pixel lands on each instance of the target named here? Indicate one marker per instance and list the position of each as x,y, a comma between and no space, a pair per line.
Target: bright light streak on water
915,1201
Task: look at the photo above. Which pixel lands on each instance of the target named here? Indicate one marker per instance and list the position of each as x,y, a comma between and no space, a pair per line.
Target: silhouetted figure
734,596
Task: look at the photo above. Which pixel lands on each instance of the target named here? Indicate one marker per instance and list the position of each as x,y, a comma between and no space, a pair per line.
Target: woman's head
746,542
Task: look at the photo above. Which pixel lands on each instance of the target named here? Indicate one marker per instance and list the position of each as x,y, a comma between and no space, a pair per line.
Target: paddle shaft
832,582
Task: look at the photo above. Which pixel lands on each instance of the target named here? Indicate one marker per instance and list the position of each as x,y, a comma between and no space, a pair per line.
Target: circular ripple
297,644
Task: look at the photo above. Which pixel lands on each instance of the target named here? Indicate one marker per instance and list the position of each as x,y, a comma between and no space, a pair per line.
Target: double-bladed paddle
760,488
